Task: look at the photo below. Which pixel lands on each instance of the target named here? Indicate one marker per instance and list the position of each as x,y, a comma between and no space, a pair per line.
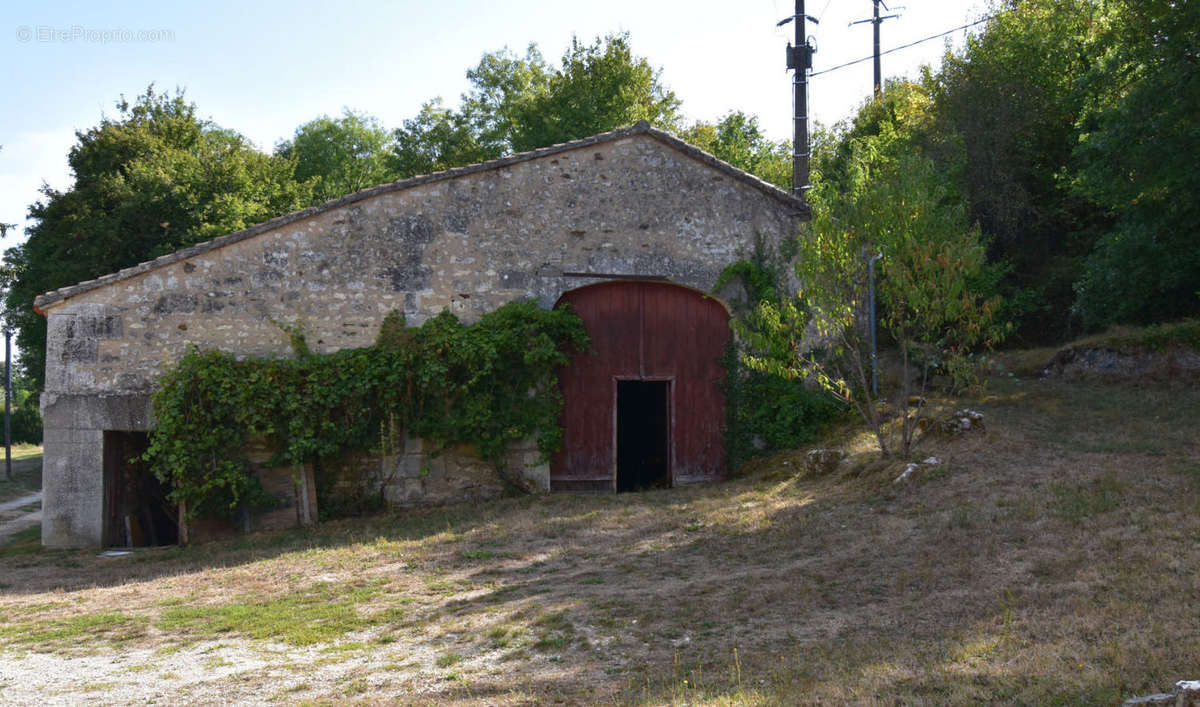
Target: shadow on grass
1020,576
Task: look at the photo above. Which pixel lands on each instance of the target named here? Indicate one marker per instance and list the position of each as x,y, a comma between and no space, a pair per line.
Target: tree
154,179
338,156
438,139
1135,157
738,139
1011,98
523,103
599,87
26,423
502,82
880,194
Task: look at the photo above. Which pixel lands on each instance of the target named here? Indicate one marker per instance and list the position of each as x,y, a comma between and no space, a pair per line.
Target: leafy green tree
26,418
598,87
1011,98
738,139
1136,158
520,103
437,139
502,84
339,156
885,198
901,120
149,181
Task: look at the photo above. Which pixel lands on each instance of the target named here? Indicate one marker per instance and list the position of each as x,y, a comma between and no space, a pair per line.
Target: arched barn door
645,408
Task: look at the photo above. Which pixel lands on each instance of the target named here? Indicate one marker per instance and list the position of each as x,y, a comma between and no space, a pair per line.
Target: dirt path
13,523
19,502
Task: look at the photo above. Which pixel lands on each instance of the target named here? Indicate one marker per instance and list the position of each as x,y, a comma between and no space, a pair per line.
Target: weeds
1191,472
301,618
71,632
1077,502
23,542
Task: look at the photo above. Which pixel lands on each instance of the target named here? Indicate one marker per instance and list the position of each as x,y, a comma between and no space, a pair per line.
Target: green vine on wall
759,282
486,384
764,411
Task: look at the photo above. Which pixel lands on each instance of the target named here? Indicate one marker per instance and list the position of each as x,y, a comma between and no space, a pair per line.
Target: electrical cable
827,4
904,46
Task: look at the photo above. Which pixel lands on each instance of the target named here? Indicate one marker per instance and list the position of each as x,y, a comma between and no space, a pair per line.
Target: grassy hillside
1052,558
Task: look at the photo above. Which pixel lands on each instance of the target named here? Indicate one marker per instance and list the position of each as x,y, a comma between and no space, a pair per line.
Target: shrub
487,384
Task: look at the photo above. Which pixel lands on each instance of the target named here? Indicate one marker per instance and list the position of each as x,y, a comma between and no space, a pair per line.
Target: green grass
23,542
502,636
26,451
550,644
320,614
553,632
1077,502
963,518
357,686
1135,447
1118,418
347,647
27,472
112,627
1156,337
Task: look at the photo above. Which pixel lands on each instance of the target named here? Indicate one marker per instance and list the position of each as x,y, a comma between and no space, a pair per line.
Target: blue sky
263,68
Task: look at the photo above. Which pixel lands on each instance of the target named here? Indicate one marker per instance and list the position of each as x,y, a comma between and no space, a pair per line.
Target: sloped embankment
1163,352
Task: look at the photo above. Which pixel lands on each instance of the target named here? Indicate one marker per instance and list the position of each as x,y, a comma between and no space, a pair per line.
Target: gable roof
787,200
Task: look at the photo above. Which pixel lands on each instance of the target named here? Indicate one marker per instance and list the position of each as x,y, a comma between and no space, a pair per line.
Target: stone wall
419,475
634,204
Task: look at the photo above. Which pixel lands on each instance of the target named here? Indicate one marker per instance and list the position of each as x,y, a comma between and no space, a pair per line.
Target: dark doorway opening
136,510
643,435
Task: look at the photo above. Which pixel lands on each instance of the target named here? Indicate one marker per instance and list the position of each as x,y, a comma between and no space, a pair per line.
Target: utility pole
876,20
8,403
871,289
799,60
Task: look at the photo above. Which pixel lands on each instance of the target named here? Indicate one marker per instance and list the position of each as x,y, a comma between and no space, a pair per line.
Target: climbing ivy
486,384
764,411
759,282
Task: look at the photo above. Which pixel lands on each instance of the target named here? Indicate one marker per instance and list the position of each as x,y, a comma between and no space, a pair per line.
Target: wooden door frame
670,381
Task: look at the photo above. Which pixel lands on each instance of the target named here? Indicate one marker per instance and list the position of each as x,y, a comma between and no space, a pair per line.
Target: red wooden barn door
670,339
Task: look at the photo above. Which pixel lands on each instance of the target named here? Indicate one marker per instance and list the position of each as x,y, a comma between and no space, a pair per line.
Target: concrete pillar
73,462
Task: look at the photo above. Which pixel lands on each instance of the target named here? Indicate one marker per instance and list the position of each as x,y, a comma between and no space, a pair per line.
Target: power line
875,21
904,46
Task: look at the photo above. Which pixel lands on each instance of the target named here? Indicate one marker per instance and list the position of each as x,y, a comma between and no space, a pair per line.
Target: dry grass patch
1051,558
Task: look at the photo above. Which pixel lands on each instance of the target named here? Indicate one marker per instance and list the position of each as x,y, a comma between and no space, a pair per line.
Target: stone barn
632,227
